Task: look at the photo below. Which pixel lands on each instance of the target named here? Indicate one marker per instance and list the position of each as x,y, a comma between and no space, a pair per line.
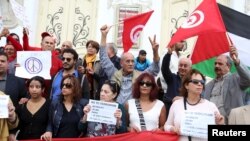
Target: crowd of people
59,108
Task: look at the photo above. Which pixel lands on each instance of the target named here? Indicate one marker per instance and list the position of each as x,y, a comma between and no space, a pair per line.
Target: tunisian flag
132,29
211,45
204,19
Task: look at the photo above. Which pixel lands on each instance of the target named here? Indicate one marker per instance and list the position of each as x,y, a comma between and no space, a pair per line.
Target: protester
239,116
141,62
191,90
126,76
145,106
69,60
9,123
173,66
66,113
109,93
33,114
12,46
91,67
172,79
227,90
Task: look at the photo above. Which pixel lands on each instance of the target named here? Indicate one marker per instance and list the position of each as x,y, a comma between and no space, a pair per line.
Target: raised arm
154,68
5,32
242,70
106,63
26,45
166,72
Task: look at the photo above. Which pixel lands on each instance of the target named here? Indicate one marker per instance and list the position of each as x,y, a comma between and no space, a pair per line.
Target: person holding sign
66,113
109,91
9,123
191,112
145,111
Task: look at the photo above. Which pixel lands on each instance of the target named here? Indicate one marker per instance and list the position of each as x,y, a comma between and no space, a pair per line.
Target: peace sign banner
33,63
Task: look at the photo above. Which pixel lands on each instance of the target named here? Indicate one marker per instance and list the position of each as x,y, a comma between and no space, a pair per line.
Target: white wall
107,16
31,10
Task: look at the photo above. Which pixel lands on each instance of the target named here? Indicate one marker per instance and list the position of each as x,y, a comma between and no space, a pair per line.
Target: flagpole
230,44
117,23
193,47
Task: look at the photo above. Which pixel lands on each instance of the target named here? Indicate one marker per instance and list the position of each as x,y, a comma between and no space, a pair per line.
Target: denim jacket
56,113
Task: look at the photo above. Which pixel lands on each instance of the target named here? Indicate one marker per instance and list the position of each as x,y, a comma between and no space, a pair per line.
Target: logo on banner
33,65
135,32
195,19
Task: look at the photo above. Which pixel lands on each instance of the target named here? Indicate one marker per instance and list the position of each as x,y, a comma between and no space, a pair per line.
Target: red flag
209,45
130,136
132,28
205,19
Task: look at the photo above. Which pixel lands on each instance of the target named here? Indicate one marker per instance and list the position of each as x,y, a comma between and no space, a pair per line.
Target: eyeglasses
67,85
147,84
67,59
196,82
66,46
10,49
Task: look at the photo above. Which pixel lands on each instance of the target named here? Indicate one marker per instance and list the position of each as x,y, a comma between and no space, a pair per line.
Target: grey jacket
233,89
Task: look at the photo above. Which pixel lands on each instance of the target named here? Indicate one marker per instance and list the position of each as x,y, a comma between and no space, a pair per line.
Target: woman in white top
153,111
191,90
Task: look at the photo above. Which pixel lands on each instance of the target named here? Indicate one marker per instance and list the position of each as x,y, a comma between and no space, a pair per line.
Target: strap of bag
140,113
185,107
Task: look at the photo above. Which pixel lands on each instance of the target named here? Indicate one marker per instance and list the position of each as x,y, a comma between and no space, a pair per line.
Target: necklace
194,103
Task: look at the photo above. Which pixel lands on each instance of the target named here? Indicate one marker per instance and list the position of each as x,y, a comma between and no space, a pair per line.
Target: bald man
126,75
227,90
173,79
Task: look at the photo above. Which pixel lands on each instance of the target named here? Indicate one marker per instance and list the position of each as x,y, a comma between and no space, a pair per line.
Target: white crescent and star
135,32
195,19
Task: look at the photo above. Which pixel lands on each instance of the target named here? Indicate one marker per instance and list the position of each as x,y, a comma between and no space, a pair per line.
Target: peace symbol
33,65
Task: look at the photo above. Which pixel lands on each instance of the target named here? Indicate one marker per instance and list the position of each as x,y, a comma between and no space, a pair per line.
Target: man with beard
69,59
227,90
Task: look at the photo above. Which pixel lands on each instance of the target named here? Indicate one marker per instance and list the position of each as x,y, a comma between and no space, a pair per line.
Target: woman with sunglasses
109,91
65,114
145,111
33,114
191,101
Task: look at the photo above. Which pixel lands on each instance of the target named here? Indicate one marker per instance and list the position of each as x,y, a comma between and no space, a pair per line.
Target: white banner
196,123
19,12
4,100
102,112
33,63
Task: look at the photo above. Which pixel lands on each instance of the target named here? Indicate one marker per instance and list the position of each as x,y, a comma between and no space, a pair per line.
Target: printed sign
196,123
102,112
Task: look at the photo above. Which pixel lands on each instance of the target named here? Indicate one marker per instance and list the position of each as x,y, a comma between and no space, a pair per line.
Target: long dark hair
76,88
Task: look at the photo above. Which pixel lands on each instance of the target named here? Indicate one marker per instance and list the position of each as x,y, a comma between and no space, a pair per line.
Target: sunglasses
67,85
147,84
67,59
113,84
196,82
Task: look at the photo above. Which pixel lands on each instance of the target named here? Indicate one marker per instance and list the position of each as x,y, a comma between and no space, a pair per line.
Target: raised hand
154,44
25,31
105,29
155,47
234,55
